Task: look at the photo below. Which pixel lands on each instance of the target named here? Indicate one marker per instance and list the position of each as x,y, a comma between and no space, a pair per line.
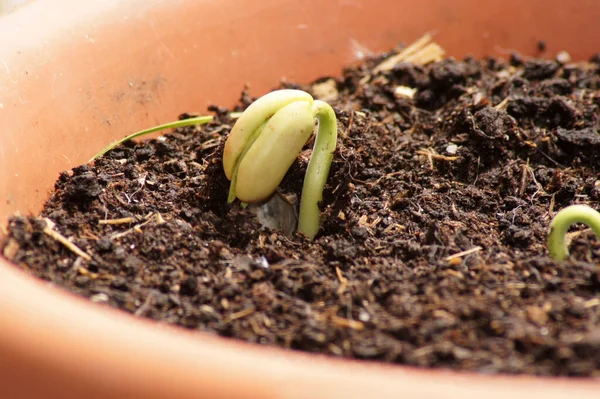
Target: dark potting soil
435,215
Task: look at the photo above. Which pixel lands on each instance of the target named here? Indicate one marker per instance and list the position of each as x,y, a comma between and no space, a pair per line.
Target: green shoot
563,221
198,120
266,140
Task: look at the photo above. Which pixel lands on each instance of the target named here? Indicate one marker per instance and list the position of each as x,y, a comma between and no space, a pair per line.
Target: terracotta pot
75,75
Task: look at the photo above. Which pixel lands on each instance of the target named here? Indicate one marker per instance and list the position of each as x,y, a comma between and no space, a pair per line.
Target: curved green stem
198,120
318,169
563,221
265,141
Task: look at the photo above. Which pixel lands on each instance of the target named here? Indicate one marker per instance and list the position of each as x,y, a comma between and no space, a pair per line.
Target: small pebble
99,298
563,57
451,149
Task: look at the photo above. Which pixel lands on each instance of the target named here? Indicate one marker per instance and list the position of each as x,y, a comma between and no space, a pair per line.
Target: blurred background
7,6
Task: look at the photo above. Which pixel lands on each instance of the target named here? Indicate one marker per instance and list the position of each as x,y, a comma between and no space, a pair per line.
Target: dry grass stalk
421,52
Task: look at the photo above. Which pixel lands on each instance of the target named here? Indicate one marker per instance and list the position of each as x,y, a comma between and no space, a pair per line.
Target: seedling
563,221
265,141
198,120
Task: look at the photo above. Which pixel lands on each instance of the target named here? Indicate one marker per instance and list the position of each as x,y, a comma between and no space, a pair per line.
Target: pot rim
53,343
175,362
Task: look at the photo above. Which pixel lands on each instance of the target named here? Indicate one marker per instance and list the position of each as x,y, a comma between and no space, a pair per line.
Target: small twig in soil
212,143
136,228
463,253
431,155
89,235
376,182
159,219
346,323
145,306
591,303
549,158
49,230
455,273
85,272
117,221
551,205
540,188
142,182
502,104
240,314
420,52
430,53
343,281
569,237
120,200
477,171
363,221
392,227
524,181
256,328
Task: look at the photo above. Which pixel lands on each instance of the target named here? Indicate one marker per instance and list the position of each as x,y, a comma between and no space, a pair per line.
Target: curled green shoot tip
265,141
195,121
561,223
